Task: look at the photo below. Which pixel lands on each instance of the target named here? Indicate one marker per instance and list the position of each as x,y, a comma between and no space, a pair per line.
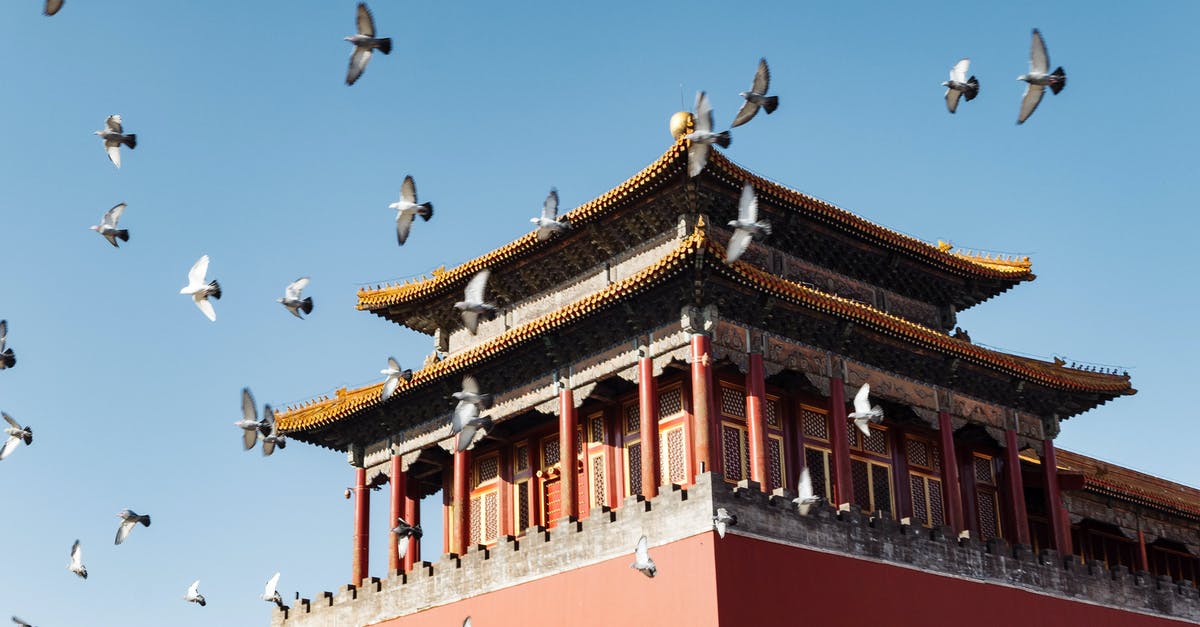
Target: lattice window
474,514
926,494
989,514
937,511
918,452
599,491
775,474
578,440
523,506
633,418
877,442
772,412
872,485
491,514
550,452
487,469
852,436
633,467
733,402
522,459
816,423
672,457
597,429
985,470
733,453
670,403
937,458
820,470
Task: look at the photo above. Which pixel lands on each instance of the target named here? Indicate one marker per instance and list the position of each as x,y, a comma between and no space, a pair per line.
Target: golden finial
682,123
944,246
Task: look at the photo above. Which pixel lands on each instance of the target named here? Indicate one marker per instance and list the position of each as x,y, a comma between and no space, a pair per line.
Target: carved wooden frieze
977,412
912,309
799,358
729,336
889,386
849,288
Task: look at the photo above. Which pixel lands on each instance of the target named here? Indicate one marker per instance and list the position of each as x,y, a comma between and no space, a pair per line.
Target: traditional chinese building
672,383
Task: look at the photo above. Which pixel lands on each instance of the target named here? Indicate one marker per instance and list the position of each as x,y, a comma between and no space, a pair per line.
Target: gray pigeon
722,520
470,393
291,298
1039,77
641,559
16,434
757,96
472,305
807,498
76,566
394,374
364,44
405,531
20,622
703,136
272,438
193,594
52,7
129,520
465,422
114,135
959,86
108,226
548,225
863,412
407,209
250,424
271,592
7,358
747,227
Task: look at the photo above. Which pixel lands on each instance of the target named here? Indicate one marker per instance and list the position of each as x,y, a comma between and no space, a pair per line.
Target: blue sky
252,150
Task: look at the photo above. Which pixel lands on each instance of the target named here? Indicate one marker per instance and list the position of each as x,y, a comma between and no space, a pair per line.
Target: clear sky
252,150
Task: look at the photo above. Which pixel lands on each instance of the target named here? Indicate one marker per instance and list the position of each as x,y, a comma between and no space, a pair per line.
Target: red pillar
412,514
1062,541
567,494
399,485
702,401
954,505
648,411
756,430
460,537
1144,561
1016,488
362,516
843,487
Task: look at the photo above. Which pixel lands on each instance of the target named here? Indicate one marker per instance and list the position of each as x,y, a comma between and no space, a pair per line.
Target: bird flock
468,417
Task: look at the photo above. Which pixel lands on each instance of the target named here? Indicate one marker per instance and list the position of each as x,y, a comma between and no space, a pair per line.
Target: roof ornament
682,123
944,246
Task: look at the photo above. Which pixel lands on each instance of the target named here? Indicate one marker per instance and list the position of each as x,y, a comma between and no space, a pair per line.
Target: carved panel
849,288
889,386
796,357
977,412
912,309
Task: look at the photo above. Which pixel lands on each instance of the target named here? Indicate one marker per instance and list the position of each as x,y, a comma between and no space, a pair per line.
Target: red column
362,516
648,411
1016,488
954,506
399,485
505,493
460,537
1062,541
702,401
1144,562
567,495
843,487
412,514
756,430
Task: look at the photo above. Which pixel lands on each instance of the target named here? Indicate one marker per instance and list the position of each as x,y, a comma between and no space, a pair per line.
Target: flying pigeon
114,135
16,435
291,298
272,438
472,305
747,227
703,136
108,226
467,622
20,622
959,85
407,208
757,96
270,593
863,412
465,422
7,358
250,424
76,565
364,43
470,393
548,224
52,6
807,499
722,520
201,291
405,531
129,520
1038,78
394,374
193,594
641,559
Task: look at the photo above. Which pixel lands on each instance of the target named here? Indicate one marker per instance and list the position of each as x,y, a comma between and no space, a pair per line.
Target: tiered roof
1129,485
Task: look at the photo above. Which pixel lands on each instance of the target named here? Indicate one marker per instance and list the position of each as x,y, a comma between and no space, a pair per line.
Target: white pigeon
76,566
467,622
807,498
747,227
722,520
201,291
129,520
272,438
641,558
364,44
404,531
16,434
250,424
7,358
757,96
271,593
394,374
472,305
20,622
108,226
465,423
863,412
193,594
548,225
1039,77
114,135
470,393
703,136
407,209
291,298
959,85
52,6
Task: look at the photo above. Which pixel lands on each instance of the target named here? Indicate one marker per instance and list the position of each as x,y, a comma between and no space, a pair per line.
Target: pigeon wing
958,73
293,290
1033,96
952,96
365,23
393,364
196,274
268,447
704,114
113,123
464,414
762,78
53,6
404,221
697,158
124,530
113,148
862,402
9,420
465,437
641,553
269,590
1039,61
738,243
748,110
358,63
113,215
474,290
3,332
206,308
470,385
470,321
76,556
804,486
748,205
550,207
194,590
389,387
249,410
9,446
408,190
249,437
